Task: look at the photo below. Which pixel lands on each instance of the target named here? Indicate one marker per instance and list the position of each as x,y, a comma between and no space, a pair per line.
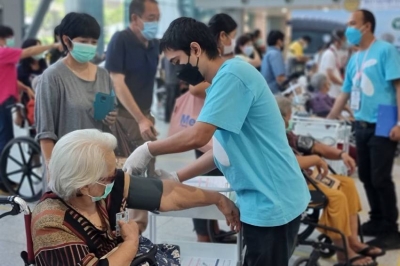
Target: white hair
78,160
284,104
318,81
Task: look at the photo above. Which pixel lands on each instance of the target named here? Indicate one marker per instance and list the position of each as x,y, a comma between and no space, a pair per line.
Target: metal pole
38,19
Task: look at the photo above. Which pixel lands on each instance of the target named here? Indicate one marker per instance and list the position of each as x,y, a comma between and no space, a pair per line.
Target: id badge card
121,216
355,99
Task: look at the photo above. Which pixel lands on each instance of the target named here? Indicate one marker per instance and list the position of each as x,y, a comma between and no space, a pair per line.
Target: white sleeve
328,61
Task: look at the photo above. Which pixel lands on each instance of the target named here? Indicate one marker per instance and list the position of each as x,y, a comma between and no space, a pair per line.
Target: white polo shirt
331,60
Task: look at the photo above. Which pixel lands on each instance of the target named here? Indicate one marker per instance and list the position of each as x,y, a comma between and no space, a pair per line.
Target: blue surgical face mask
83,52
150,30
106,192
10,42
353,36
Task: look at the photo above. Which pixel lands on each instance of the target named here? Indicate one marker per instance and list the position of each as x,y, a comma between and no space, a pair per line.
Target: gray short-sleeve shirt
64,102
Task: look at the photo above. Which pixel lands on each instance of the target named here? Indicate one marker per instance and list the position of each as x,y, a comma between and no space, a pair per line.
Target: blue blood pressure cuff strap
145,193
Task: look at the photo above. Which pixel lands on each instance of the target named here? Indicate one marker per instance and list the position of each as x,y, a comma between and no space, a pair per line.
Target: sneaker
386,241
371,228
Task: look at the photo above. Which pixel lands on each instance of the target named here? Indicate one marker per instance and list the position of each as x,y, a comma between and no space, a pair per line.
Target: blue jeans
375,157
6,123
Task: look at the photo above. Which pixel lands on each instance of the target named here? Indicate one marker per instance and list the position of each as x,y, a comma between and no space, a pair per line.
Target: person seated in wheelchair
75,223
321,102
344,204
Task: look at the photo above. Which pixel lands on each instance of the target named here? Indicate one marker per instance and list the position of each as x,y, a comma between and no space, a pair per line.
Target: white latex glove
164,175
139,159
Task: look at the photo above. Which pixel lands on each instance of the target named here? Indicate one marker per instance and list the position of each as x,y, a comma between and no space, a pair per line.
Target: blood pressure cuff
145,193
305,144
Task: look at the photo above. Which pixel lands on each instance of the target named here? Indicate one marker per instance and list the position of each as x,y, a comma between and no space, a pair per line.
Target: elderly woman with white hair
75,223
343,202
321,103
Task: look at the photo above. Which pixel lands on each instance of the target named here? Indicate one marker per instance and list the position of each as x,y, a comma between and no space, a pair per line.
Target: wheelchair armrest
150,258
318,197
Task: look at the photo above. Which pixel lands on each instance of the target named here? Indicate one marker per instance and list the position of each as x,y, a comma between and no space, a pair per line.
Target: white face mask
228,49
248,50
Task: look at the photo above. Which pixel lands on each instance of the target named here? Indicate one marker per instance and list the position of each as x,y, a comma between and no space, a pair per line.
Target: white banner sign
380,4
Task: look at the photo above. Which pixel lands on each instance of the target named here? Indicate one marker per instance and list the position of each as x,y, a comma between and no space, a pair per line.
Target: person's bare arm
37,49
125,97
201,166
305,162
280,79
124,254
26,89
328,152
340,103
199,90
191,138
333,78
47,146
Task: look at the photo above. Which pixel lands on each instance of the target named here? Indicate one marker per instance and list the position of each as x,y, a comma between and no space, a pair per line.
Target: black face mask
190,74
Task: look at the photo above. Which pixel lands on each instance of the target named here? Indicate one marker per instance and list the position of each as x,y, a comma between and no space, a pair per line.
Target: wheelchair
19,205
323,246
20,163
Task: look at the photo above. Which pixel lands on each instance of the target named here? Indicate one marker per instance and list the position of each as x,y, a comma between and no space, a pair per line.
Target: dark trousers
375,157
6,123
270,245
200,225
172,93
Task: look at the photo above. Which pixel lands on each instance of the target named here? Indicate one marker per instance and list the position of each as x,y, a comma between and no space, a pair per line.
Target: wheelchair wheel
217,237
20,168
327,252
305,262
311,217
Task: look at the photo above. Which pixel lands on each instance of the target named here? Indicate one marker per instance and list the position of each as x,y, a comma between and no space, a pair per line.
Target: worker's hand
57,45
349,162
30,93
147,129
164,175
231,213
395,133
111,118
137,162
322,166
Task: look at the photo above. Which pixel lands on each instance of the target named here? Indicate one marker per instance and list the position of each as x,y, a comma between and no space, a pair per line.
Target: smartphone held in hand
103,105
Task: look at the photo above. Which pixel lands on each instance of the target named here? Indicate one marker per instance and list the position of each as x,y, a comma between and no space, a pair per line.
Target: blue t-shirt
273,66
251,148
380,66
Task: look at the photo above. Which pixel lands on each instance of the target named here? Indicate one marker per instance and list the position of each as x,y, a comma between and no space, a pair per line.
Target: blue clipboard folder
387,119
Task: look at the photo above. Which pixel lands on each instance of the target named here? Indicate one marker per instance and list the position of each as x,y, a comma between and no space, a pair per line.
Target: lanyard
358,68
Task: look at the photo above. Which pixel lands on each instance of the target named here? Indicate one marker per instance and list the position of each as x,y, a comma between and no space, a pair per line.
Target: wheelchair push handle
19,205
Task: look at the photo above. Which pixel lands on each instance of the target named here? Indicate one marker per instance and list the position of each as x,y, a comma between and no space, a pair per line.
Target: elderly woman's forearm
306,162
179,197
124,255
47,146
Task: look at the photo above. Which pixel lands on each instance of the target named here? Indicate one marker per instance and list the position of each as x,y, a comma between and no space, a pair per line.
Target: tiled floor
12,234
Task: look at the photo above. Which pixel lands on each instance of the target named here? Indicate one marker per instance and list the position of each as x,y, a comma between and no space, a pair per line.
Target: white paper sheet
193,261
217,183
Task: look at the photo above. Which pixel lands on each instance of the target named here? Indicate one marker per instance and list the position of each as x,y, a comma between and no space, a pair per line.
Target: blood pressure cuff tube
145,193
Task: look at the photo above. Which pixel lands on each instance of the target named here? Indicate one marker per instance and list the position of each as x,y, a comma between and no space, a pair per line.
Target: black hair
26,62
183,31
257,33
78,25
274,36
242,40
307,38
368,17
6,32
337,35
137,7
221,22
56,33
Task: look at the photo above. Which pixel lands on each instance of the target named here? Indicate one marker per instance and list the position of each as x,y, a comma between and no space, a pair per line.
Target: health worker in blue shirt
372,79
250,147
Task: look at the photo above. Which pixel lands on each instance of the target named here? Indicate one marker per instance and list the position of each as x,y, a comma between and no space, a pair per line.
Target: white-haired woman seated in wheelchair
344,204
75,223
321,102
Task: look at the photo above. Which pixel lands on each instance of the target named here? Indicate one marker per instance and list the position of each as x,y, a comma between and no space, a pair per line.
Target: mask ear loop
197,64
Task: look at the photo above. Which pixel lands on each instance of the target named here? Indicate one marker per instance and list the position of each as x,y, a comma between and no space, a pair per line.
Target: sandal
367,252
355,259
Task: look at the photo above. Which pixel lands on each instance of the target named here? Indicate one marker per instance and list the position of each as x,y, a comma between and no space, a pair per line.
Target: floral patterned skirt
167,254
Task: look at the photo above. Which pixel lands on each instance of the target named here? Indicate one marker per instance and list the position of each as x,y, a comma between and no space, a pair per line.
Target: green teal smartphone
103,104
